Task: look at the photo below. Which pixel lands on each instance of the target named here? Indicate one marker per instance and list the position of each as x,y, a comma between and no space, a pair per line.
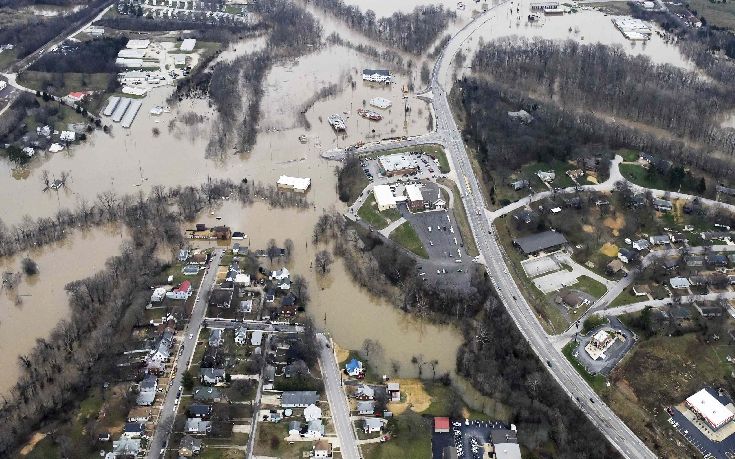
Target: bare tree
323,260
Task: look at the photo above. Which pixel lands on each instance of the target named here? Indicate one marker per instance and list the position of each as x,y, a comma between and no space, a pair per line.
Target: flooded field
44,301
383,8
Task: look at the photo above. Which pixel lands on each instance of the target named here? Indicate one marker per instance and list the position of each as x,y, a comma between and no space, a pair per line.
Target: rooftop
540,241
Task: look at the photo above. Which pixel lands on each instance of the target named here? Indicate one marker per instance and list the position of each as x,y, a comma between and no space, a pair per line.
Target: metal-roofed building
541,241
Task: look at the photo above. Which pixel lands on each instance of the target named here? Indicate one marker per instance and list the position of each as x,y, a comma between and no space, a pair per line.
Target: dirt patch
615,224
342,354
38,436
609,249
626,390
592,179
414,396
588,229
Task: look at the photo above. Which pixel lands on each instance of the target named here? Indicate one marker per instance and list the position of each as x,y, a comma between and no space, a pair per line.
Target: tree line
412,32
608,80
557,132
93,56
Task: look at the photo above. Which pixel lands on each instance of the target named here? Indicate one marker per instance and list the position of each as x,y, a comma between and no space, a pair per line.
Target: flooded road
44,301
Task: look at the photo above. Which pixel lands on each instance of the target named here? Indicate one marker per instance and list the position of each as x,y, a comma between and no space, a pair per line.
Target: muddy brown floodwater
44,300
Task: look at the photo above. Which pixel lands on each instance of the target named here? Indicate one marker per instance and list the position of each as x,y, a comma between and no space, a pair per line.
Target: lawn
370,214
640,176
629,156
562,180
413,440
591,286
460,216
406,237
717,14
7,58
626,297
597,382
270,442
70,81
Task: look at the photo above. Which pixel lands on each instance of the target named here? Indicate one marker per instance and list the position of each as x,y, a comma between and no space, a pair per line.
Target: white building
297,184
67,136
158,295
188,45
242,279
398,164
138,44
131,53
257,338
312,413
710,409
384,197
380,102
129,63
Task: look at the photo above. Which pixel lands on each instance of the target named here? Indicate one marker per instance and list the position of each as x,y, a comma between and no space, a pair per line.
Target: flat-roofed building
138,44
384,197
414,198
706,406
297,184
188,45
541,241
398,164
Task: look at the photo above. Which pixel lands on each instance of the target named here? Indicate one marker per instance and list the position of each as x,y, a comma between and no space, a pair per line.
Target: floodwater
350,314
44,301
384,8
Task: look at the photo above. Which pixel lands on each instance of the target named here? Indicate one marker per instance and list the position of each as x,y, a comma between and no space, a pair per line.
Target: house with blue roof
354,367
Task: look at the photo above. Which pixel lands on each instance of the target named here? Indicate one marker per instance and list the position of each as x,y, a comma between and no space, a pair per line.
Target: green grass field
591,286
70,81
597,382
370,214
406,237
717,14
626,297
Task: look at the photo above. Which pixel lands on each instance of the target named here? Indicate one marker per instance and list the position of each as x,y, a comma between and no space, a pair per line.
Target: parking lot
613,355
469,436
428,168
708,448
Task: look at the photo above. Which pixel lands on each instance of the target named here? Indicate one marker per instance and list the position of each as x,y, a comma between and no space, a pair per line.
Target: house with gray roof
197,426
215,337
540,242
299,399
211,376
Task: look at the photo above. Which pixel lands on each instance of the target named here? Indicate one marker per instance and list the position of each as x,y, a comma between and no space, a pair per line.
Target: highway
338,405
183,360
617,433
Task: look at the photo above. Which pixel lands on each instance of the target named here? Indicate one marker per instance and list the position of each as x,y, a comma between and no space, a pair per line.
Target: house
294,429
322,448
270,295
159,293
660,240
698,281
256,338
198,258
242,280
189,446
670,262
183,255
104,437
147,391
182,292
679,283
366,407
190,270
521,116
680,313
269,375
241,335
273,416
414,198
614,266
354,367
715,260
299,399
197,426
125,447
312,413
525,216
365,392
520,185
215,337
574,299
221,232
207,394
139,414
708,311
394,391
546,177
372,425
246,306
315,429
211,376
677,238
296,368
161,353
281,274
641,290
662,205
220,298
441,425
641,244
199,410
627,256
694,261
538,242
133,429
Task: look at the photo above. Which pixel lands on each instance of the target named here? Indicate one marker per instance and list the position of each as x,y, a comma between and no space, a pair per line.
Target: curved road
617,433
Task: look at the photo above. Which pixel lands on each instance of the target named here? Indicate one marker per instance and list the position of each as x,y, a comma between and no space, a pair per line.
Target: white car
191,335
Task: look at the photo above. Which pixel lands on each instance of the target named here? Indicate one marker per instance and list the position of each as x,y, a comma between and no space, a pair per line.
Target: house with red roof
182,292
441,425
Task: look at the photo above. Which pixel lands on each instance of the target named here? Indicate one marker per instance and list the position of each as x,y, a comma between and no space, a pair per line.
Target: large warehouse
705,405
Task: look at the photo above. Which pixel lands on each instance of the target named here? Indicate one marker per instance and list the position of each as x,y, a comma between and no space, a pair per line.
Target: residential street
338,404
168,409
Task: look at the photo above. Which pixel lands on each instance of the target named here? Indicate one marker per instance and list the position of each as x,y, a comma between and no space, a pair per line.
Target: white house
257,338
394,391
294,429
322,448
182,292
280,275
373,425
67,136
242,279
241,336
158,295
315,430
312,413
366,407
365,392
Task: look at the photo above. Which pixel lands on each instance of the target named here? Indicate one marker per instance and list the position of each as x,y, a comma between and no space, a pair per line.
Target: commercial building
376,76
414,198
131,53
633,29
398,164
297,184
138,44
541,241
129,63
380,102
706,406
384,197
600,343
